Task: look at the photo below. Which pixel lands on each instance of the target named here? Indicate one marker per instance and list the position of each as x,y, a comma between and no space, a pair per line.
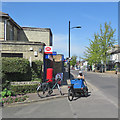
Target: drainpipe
5,30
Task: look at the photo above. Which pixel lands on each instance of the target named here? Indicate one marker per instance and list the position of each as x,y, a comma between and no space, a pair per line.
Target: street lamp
69,46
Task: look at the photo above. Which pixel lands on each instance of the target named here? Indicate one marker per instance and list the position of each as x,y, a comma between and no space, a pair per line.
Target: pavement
33,97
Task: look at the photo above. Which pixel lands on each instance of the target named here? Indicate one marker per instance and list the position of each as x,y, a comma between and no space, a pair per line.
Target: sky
56,16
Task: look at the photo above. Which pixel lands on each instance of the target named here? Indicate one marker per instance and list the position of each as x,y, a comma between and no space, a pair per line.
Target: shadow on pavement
79,96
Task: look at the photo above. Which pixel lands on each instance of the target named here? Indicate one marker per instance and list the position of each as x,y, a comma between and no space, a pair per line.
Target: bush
18,69
15,69
23,89
5,93
37,69
13,99
15,65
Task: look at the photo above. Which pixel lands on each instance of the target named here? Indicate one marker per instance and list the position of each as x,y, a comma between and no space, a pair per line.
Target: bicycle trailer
77,87
77,83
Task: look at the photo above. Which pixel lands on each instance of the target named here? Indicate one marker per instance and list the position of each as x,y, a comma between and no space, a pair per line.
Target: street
106,83
101,102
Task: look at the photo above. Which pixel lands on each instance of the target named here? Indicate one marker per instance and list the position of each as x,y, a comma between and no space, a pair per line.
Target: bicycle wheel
85,92
42,90
70,95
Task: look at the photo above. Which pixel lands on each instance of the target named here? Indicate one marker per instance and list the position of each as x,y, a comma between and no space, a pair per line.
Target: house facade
115,56
26,42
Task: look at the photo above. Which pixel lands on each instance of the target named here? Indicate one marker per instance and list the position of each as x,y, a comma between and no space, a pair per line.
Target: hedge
15,65
15,69
23,89
18,69
37,69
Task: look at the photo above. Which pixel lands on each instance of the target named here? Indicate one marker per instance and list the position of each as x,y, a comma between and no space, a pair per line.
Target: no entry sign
48,49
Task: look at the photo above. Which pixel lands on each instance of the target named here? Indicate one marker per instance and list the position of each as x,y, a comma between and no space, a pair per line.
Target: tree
92,54
107,41
97,50
74,60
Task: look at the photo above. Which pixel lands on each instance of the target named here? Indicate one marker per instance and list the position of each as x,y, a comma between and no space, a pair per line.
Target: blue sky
88,15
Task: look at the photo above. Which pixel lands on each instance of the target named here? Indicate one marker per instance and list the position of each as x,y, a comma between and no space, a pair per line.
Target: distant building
114,57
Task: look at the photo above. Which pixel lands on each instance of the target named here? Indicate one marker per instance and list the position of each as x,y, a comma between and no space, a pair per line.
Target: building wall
25,34
22,36
24,49
1,29
38,36
11,31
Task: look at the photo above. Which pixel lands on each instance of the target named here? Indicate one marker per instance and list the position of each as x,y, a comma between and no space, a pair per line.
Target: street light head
77,27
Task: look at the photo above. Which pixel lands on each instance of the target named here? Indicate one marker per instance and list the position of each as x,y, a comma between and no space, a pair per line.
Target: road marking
73,111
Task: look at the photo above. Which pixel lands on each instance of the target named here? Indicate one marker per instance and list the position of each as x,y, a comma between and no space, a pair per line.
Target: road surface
101,103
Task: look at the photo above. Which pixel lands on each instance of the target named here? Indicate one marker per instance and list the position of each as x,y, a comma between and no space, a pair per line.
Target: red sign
48,49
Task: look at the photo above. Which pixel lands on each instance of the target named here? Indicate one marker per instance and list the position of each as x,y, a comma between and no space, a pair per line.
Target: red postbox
49,74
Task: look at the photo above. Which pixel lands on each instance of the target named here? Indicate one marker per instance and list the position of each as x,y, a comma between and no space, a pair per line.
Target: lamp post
69,46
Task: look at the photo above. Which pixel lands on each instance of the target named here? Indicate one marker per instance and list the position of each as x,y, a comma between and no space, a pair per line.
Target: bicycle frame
47,89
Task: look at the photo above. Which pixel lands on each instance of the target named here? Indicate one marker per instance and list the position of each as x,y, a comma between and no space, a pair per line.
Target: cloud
60,42
60,45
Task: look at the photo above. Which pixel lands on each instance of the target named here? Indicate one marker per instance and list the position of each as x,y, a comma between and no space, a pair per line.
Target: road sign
54,53
48,49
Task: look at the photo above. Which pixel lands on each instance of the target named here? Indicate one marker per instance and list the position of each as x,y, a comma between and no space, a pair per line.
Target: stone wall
34,35
1,29
24,48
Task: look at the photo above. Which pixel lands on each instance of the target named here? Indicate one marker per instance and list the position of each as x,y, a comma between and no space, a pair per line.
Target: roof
5,15
24,28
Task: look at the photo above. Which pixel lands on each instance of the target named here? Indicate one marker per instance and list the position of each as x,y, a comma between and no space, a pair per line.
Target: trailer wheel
70,95
86,92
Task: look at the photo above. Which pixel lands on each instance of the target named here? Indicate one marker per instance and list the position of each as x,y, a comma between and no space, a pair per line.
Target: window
12,55
11,34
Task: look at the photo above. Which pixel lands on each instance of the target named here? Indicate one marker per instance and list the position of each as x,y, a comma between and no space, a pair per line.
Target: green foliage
37,69
15,65
37,79
98,48
5,84
15,69
18,69
23,89
6,93
74,60
12,99
93,53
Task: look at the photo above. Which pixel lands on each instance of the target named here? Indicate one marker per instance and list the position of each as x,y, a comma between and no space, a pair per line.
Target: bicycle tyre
42,90
70,95
86,92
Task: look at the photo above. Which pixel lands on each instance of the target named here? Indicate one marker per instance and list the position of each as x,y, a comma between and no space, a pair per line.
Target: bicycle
45,89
